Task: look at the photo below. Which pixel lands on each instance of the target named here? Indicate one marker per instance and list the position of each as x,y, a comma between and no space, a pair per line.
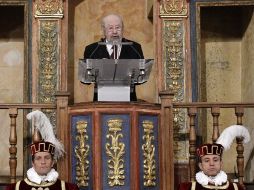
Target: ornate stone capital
48,8
173,8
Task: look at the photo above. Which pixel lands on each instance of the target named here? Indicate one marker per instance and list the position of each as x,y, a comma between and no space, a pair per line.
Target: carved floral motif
148,148
81,152
53,8
115,150
173,38
173,8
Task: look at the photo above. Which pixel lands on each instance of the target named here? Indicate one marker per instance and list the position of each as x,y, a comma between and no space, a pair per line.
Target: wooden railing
167,110
193,109
61,109
13,114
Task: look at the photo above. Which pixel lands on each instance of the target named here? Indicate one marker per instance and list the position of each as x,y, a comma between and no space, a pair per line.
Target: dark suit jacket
97,51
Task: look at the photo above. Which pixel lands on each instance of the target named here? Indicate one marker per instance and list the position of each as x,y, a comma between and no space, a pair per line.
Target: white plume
43,124
230,133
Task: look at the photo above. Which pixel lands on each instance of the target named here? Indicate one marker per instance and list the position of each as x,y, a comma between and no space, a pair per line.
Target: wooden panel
115,145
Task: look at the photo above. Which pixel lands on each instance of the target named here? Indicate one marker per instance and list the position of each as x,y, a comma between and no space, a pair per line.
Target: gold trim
149,163
82,153
235,186
49,16
63,185
216,187
17,185
44,184
193,185
170,16
115,149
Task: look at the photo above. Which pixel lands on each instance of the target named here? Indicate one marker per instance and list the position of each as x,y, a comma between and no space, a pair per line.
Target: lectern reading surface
114,77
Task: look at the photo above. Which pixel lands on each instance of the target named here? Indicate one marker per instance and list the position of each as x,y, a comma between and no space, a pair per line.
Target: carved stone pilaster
173,38
173,61
48,61
48,15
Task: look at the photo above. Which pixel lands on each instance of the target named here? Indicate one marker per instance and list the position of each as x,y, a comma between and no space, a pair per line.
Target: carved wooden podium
121,145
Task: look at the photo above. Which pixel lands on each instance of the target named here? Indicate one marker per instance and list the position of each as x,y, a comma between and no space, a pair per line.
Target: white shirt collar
110,50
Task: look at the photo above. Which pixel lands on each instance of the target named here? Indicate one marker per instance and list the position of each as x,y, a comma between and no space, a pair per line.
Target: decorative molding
48,9
173,39
173,45
81,153
48,60
173,8
48,63
115,150
149,154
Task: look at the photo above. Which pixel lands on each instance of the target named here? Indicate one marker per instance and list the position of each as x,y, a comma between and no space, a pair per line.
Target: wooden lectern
120,145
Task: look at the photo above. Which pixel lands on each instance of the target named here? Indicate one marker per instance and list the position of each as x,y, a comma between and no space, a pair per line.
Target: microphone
136,51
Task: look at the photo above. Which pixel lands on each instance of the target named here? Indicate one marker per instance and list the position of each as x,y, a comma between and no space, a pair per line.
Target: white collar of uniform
217,180
33,176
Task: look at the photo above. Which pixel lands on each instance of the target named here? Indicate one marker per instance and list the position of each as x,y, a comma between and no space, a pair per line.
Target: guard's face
210,164
113,29
43,162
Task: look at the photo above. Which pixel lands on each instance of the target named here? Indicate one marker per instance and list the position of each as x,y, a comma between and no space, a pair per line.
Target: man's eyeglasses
112,28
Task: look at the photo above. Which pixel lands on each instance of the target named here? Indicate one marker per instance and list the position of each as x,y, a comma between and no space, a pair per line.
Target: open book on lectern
114,76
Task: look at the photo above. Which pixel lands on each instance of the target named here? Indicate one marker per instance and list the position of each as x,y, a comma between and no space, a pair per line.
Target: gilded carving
174,56
149,154
173,37
49,8
81,153
180,135
173,8
115,150
48,59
